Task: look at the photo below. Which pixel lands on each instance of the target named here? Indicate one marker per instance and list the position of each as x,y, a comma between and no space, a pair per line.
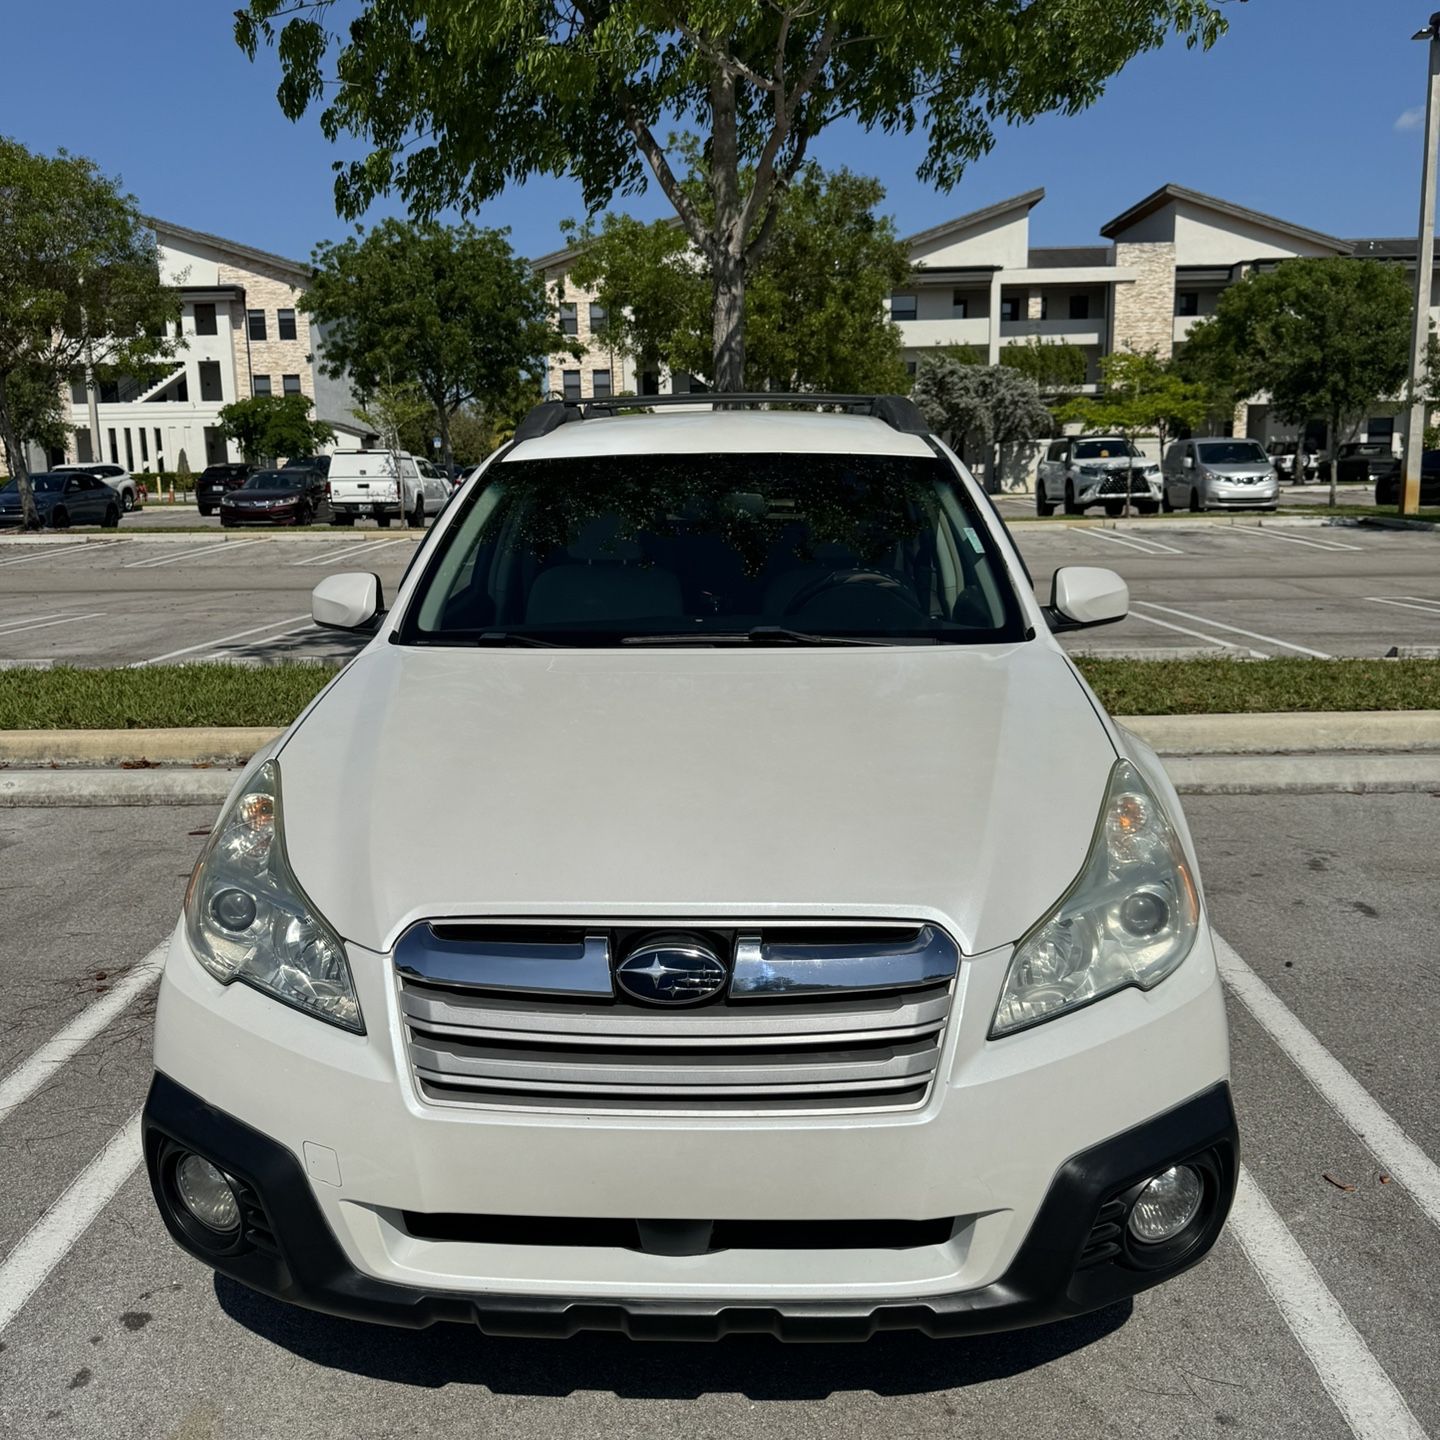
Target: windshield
273,480
607,549
39,484
1233,452
1105,450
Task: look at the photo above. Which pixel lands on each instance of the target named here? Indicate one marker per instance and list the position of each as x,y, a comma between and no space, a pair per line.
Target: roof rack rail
897,411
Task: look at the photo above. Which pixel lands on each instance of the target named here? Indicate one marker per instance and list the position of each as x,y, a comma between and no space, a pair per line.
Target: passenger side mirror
1084,595
1189,462
352,601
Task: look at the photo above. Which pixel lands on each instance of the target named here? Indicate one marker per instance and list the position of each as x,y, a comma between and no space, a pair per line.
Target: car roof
709,432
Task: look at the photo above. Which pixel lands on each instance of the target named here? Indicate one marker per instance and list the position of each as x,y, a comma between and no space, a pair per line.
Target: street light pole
1424,278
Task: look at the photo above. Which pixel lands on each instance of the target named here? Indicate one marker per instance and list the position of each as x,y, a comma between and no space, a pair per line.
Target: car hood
1116,462
1251,471
955,784
241,497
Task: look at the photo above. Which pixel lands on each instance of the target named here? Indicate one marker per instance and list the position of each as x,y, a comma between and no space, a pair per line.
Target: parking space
1316,1316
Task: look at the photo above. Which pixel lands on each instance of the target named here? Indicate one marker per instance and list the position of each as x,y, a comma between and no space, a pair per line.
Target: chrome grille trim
837,1023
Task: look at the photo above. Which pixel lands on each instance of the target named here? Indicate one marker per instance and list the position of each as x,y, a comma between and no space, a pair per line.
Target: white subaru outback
712,902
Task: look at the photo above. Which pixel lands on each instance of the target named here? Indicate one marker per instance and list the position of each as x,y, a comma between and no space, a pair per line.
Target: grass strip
67,698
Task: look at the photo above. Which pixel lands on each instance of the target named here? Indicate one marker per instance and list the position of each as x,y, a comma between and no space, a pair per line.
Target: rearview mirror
1084,595
352,601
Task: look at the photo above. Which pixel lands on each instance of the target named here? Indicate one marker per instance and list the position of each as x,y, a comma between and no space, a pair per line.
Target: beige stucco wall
596,357
1145,310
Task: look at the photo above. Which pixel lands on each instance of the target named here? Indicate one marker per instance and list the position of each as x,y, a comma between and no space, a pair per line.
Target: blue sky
1306,109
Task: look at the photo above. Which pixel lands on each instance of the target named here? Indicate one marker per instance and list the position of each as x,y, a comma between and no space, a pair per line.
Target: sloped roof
298,268
1169,194
976,218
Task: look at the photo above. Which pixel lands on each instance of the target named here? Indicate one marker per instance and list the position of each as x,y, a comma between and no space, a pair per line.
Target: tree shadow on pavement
754,1366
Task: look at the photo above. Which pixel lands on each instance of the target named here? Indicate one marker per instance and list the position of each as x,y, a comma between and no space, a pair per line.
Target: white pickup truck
385,485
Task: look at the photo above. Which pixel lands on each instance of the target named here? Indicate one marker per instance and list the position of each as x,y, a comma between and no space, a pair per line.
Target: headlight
1092,470
1151,470
1129,919
248,919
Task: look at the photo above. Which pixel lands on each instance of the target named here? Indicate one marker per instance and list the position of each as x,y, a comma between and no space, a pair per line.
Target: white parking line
59,552
212,644
1353,1378
1259,532
1407,602
155,561
27,1077
51,1238
1148,546
46,624
219,652
1235,630
330,557
1199,635
1397,1153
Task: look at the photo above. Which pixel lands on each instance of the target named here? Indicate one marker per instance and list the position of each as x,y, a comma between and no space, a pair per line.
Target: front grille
1121,482
844,1018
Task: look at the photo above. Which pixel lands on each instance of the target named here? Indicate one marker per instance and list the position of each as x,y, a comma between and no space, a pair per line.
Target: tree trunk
447,455
728,261
1334,457
15,462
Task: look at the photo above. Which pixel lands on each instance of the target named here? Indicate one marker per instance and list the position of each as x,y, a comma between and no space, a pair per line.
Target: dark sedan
216,482
277,497
1387,488
63,498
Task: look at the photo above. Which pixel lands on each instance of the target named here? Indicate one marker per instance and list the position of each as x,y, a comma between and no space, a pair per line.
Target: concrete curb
1360,732
49,788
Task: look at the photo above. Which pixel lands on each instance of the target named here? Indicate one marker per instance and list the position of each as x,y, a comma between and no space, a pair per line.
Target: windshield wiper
513,637
760,635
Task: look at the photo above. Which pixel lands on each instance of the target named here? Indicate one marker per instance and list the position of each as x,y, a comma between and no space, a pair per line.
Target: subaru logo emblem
675,971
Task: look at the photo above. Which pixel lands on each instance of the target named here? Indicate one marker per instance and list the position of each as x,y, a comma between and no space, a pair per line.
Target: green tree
266,427
37,409
1054,365
400,414
816,299
451,308
1327,339
989,405
453,100
79,276
1143,395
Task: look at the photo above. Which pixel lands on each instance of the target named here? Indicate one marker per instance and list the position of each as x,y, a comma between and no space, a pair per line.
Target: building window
285,324
570,380
902,307
569,319
1044,306
959,305
911,366
1380,429
159,450
205,320
649,382
600,384
290,384
78,394
1188,303
182,391
259,384
1009,307
129,450
210,380
256,321
144,447
1079,307
599,318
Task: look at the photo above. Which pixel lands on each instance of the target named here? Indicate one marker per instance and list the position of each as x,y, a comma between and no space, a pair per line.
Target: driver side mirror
1084,595
1188,462
351,601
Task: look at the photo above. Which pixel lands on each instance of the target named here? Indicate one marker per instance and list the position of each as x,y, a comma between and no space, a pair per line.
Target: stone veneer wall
272,356
1145,310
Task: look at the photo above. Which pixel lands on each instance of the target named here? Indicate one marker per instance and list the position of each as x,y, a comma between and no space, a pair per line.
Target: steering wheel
890,580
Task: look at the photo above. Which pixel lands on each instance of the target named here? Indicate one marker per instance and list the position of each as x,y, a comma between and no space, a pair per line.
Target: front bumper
1073,1259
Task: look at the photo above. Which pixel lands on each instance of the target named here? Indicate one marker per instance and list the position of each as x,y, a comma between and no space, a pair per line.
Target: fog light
207,1195
1167,1205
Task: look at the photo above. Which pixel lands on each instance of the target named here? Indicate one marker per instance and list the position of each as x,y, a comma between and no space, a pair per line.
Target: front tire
1195,506
60,518
127,501
417,518
1166,508
1043,505
112,518
1071,508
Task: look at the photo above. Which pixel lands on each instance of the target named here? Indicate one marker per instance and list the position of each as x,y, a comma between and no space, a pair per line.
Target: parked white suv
1220,474
712,902
384,485
119,479
1084,470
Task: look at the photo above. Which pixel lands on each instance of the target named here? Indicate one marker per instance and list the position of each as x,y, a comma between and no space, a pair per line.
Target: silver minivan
1218,473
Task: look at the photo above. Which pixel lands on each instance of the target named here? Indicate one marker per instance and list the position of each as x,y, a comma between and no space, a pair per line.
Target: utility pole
1424,278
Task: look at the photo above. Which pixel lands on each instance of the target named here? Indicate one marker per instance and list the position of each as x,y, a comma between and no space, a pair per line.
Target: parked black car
292,496
215,481
1387,487
63,499
1363,462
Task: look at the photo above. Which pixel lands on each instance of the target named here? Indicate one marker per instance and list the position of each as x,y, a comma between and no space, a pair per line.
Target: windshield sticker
976,543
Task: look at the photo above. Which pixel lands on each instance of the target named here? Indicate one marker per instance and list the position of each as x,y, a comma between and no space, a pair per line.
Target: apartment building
1158,268
241,332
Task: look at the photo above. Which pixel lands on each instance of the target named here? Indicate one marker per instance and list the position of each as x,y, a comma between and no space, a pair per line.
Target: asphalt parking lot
1318,1315
1245,590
